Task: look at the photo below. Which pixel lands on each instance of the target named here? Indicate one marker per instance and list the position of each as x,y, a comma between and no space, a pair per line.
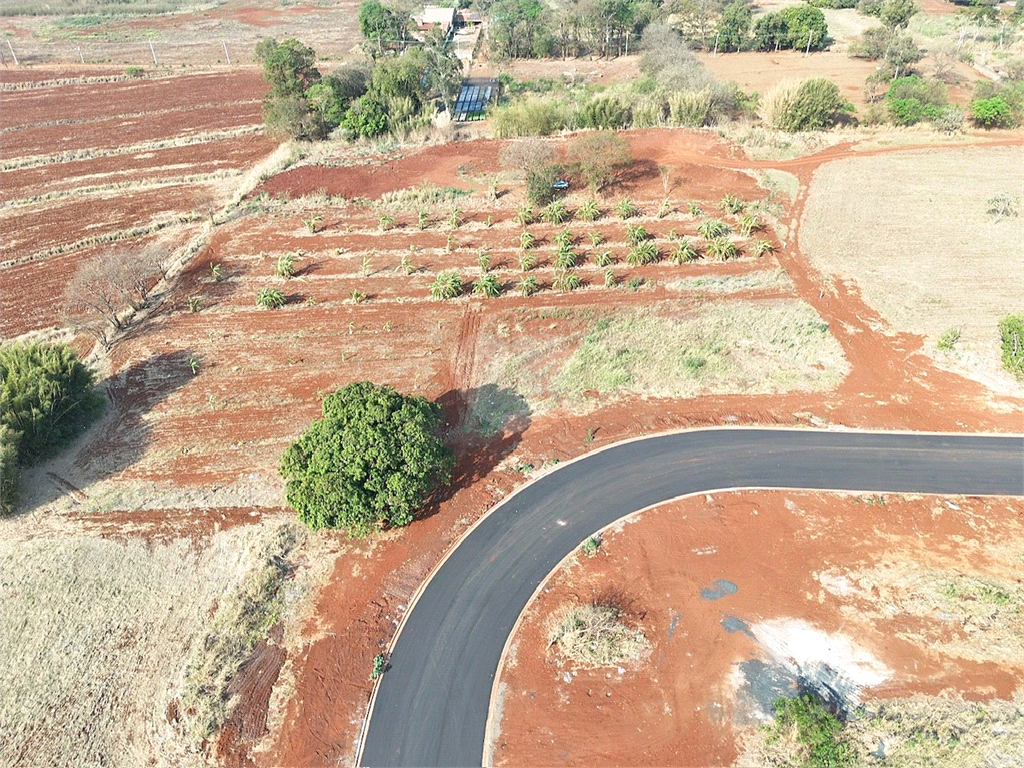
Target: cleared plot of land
912,230
115,651
903,608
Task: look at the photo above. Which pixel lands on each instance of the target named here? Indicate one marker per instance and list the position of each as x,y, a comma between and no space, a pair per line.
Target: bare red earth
680,707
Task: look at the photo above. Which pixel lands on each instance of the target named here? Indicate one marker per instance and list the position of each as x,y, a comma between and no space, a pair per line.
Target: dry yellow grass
912,230
100,635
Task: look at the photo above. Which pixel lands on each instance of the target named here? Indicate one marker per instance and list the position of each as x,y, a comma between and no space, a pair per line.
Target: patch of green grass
736,346
817,730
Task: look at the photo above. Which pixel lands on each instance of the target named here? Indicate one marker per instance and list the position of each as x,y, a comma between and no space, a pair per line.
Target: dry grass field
120,650
912,230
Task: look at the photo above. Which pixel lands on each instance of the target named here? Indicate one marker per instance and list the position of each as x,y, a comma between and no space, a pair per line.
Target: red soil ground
105,117
680,707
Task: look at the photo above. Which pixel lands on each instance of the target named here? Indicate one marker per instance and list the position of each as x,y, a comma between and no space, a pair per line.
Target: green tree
993,112
330,98
771,32
289,66
366,116
516,26
374,458
46,397
734,26
805,22
382,26
896,14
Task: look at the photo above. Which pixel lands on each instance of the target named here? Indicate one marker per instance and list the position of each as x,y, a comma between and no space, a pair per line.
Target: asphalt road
431,707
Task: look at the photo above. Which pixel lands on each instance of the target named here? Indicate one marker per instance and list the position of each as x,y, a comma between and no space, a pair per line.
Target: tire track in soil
458,376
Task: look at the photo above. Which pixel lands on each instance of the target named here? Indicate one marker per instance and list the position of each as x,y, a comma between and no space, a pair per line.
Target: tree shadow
482,425
118,439
636,174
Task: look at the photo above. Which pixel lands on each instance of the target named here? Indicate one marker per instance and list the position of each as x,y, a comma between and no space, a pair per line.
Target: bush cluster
46,400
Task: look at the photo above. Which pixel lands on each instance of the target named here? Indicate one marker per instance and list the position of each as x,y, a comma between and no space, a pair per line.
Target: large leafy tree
734,26
289,67
371,461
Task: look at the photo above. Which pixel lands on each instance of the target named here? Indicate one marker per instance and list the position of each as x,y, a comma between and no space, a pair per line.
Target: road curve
431,706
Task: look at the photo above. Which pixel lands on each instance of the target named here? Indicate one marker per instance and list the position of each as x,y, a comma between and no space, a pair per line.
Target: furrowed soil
133,160
882,598
207,390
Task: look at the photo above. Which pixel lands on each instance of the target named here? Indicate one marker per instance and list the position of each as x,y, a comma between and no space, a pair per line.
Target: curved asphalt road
431,707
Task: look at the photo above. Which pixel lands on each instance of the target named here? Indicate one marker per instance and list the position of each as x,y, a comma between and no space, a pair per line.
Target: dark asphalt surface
431,708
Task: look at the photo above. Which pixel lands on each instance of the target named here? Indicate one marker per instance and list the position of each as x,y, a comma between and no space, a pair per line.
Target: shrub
597,158
46,400
532,116
527,240
595,636
589,210
643,253
626,209
635,284
374,458
447,285
712,228
488,285
609,278
270,298
948,339
809,105
540,185
484,261
9,491
912,99
528,286
691,109
1011,333
312,223
761,247
816,730
285,265
604,113
386,222
596,238
993,112
555,213
949,120
603,259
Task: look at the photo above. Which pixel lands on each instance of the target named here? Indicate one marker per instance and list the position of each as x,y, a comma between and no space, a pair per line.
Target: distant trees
46,399
302,104
382,26
799,26
371,461
887,43
523,29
